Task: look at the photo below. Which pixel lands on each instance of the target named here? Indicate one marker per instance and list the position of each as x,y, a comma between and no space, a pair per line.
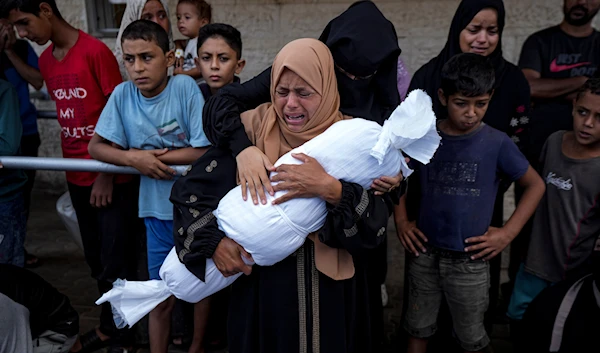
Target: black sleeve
48,308
359,221
194,196
531,54
221,113
519,129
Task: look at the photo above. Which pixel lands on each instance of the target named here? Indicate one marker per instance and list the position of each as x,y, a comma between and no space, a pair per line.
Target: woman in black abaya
366,72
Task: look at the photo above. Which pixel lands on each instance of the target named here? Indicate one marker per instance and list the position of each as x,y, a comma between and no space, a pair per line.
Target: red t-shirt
80,84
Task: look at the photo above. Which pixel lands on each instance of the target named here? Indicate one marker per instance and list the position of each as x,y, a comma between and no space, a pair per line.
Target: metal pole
72,165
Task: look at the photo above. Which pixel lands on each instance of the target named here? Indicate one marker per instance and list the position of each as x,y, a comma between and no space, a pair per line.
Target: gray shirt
567,220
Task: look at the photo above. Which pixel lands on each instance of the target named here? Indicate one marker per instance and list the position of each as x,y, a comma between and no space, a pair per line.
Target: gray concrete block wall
267,25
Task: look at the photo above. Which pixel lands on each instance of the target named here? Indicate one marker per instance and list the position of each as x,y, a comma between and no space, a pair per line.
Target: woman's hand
306,180
252,166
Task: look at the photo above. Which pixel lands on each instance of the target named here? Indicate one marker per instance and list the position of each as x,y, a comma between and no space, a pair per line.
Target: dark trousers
29,148
110,237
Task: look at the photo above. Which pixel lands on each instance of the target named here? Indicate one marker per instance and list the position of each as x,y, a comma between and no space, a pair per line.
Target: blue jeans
13,225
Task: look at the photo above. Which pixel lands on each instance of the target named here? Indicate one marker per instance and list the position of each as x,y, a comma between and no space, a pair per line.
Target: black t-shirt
48,308
557,55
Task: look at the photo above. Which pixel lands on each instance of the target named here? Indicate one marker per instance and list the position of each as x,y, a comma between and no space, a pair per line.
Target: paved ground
64,267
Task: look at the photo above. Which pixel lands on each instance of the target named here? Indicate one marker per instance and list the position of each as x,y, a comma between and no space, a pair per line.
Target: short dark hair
230,35
148,31
592,85
204,8
468,74
28,6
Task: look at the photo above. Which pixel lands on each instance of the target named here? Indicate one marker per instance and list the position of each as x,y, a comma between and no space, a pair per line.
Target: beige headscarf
133,12
312,61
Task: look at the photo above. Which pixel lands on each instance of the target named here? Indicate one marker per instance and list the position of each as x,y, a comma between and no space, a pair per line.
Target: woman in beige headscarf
152,10
316,299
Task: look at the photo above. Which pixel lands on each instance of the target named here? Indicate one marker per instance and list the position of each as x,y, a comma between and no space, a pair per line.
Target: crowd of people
156,102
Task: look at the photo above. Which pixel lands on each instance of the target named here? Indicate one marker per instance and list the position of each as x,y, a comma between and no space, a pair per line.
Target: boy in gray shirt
567,220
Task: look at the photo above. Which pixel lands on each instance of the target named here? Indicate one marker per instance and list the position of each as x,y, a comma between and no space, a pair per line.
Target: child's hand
178,70
147,163
179,63
386,184
228,258
410,236
492,243
102,191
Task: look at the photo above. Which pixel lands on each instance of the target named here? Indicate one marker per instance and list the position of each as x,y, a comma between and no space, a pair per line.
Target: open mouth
294,119
584,134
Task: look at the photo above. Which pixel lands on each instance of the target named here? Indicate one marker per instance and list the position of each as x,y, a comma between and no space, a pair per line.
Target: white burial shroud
355,150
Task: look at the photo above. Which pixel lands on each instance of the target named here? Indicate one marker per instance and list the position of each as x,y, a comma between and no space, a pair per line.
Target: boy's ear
240,66
204,22
442,97
170,55
492,93
46,10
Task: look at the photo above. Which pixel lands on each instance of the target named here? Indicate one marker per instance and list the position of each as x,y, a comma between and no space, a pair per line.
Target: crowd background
267,25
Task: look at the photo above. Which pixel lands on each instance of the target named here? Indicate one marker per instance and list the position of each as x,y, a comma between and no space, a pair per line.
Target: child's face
147,65
36,29
586,119
465,113
218,63
188,20
154,11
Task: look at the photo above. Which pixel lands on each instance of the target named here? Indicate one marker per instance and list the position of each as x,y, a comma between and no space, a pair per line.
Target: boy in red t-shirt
81,73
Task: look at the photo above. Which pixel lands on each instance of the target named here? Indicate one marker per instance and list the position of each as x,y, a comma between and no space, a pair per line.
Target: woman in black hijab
509,106
476,29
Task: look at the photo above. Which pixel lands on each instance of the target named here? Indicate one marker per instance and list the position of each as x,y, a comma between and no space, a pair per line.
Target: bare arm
410,236
552,88
146,161
187,155
30,74
497,239
534,188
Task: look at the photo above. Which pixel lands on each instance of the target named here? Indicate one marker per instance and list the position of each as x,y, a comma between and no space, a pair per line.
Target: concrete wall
267,25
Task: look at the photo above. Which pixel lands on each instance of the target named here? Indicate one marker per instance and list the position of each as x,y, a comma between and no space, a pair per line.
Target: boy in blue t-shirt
451,241
154,121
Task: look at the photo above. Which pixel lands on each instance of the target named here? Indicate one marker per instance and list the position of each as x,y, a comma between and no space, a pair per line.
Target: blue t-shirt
26,108
172,119
459,186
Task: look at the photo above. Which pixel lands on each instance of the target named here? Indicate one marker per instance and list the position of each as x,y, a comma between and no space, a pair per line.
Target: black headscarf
430,77
363,42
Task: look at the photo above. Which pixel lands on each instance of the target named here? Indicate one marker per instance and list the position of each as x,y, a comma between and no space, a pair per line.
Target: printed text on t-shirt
559,182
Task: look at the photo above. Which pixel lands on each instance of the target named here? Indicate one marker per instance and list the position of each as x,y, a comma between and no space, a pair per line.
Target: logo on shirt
559,182
554,67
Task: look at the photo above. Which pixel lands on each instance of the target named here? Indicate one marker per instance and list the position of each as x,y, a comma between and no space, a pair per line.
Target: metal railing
72,165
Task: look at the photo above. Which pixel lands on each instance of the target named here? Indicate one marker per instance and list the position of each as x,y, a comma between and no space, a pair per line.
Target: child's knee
165,308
